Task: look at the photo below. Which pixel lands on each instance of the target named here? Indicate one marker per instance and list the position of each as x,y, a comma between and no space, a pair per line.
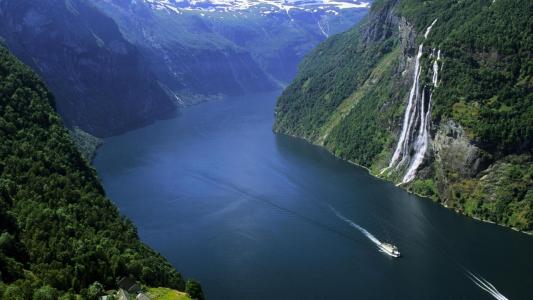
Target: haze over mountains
114,65
265,6
100,80
203,48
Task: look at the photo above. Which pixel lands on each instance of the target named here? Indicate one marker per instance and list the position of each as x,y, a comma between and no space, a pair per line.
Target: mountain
100,80
114,65
435,96
266,6
58,232
203,49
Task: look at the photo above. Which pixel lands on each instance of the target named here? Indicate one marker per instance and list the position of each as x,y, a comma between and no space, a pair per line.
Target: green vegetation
85,142
166,294
59,234
503,194
487,70
323,84
194,289
350,97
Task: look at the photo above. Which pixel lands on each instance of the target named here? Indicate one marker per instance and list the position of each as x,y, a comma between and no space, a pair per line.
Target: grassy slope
350,94
166,294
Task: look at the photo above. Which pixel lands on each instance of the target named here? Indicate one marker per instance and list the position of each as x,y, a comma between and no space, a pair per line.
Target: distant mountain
433,95
204,48
264,6
118,64
101,82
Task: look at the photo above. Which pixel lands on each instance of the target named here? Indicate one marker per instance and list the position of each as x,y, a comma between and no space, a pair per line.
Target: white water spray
421,145
416,119
408,112
422,141
351,223
428,30
435,78
487,286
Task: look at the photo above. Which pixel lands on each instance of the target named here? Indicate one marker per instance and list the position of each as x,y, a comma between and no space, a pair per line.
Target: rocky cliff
433,95
100,80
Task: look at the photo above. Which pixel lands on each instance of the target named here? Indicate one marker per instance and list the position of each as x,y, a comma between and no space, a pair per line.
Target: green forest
350,95
60,237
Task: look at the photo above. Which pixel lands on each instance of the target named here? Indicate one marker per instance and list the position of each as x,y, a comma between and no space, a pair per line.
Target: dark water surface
248,214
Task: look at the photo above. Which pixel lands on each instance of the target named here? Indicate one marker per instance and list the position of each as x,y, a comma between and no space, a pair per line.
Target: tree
45,293
96,289
194,290
19,290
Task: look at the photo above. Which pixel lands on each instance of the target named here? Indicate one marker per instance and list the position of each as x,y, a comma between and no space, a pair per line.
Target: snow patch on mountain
264,6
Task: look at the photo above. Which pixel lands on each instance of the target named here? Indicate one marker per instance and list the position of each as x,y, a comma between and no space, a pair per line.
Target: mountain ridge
271,6
253,51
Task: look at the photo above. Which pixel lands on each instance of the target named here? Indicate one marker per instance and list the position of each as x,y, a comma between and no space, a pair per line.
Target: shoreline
171,115
441,203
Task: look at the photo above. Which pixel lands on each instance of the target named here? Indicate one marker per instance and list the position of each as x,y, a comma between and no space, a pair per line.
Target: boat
389,249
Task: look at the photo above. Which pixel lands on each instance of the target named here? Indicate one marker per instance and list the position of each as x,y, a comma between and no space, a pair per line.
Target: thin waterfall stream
416,122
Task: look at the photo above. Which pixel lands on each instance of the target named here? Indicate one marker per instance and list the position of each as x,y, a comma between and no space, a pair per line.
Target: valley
259,149
116,65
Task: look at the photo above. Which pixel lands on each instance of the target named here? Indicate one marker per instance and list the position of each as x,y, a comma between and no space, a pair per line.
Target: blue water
248,214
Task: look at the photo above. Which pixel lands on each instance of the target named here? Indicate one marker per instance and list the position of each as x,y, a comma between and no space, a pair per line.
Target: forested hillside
463,68
59,234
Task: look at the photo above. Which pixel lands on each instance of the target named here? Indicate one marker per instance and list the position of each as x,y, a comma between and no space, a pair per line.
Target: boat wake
486,286
351,223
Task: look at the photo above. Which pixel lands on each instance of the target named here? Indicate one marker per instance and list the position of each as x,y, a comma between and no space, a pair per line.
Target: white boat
389,249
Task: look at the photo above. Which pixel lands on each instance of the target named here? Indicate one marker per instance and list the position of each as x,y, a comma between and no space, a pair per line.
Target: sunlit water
247,213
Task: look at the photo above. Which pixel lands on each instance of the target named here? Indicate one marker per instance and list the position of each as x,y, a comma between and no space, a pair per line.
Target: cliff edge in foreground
59,234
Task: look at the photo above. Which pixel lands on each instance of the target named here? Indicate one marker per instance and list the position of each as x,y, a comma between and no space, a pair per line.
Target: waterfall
436,70
429,29
416,120
421,145
323,29
422,141
408,112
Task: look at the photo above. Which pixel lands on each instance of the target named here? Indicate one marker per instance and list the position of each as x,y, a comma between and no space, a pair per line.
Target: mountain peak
178,6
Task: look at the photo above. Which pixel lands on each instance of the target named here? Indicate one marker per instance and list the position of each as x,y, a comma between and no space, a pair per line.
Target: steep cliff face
189,59
218,49
99,79
433,95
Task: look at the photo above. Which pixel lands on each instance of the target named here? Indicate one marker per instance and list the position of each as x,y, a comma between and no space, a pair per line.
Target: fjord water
251,215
